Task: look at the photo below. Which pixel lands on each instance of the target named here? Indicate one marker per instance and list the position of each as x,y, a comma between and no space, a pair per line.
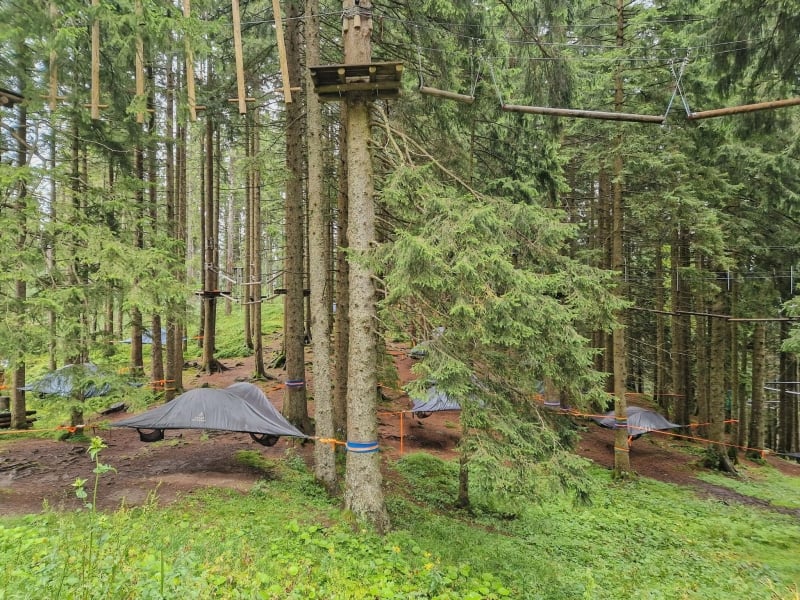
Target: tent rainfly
640,421
435,401
64,381
208,408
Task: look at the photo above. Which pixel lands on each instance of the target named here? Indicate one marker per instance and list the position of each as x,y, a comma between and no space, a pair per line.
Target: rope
70,428
496,87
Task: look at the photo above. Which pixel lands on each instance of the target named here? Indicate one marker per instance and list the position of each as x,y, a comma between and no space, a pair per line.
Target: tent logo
201,418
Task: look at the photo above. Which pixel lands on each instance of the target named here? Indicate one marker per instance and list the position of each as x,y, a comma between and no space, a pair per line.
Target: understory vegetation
286,539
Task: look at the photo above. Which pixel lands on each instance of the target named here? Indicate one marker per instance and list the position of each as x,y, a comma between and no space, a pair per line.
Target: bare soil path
35,473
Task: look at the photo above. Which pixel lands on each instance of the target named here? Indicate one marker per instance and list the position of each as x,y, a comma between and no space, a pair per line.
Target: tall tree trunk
249,228
156,349
341,331
18,416
258,339
295,408
742,413
318,244
137,355
622,463
661,383
680,330
173,365
211,289
363,481
755,438
787,400
717,455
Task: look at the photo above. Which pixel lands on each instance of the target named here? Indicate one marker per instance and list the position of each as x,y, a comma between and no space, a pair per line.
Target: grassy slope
287,540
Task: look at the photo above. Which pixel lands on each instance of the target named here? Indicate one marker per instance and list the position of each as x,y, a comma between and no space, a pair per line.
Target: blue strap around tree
362,447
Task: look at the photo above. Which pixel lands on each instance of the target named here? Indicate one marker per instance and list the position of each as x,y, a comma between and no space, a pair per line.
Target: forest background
147,163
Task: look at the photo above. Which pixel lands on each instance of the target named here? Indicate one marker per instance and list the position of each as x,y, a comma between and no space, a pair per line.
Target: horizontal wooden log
423,89
745,108
583,114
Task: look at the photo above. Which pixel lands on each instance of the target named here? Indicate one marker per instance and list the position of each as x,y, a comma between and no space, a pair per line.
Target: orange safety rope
762,451
70,428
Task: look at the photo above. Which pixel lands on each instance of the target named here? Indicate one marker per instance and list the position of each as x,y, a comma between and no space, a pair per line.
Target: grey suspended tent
639,421
256,398
209,408
434,401
79,380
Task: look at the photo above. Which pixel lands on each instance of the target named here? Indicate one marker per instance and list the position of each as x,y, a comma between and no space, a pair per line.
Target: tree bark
755,438
211,220
363,481
342,319
324,455
622,463
295,407
258,339
18,406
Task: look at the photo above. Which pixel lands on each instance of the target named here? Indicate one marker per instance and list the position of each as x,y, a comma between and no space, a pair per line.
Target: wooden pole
95,100
190,93
583,114
745,108
139,61
447,95
287,89
238,56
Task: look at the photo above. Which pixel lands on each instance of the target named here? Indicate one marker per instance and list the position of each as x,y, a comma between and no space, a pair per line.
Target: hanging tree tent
208,408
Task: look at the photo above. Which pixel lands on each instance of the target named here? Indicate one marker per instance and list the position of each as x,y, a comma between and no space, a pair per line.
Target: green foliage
286,539
763,482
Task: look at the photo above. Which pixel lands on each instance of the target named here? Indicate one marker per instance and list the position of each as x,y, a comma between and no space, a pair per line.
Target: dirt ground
37,473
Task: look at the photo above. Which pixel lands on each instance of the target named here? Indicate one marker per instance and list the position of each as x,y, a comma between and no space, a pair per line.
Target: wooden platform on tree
378,80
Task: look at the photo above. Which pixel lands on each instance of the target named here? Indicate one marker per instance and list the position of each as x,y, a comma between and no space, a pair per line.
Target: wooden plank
238,56
287,88
745,108
95,95
583,114
191,98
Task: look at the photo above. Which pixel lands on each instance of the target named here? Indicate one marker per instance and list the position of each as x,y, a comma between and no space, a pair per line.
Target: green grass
286,539
763,482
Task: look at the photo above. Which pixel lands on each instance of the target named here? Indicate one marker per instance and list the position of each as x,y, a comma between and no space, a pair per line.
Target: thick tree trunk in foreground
363,481
341,331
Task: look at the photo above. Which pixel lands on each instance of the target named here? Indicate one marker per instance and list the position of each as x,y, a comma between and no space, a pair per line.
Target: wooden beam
745,108
95,96
191,98
287,88
583,114
423,89
238,56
